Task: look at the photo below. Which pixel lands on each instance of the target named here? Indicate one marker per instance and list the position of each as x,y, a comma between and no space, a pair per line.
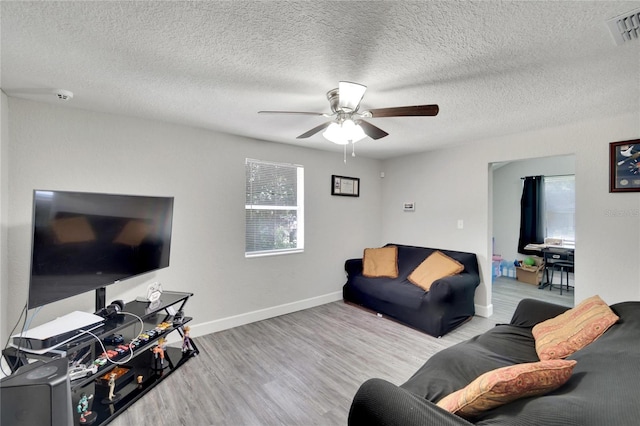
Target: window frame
298,208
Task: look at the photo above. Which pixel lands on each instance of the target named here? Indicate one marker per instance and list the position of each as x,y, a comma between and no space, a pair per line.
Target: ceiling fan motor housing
333,96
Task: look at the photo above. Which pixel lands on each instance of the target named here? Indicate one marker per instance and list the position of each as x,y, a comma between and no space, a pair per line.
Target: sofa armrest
379,402
530,312
353,266
451,288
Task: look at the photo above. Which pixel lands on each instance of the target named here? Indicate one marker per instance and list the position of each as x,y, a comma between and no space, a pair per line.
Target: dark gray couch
603,389
447,304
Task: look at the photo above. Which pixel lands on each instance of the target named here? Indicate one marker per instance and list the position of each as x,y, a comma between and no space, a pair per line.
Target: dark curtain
531,214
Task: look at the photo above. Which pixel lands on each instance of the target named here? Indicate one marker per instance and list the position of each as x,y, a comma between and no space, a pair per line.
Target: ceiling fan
347,123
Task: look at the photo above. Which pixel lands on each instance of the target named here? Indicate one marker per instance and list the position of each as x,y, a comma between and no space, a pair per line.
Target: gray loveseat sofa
604,388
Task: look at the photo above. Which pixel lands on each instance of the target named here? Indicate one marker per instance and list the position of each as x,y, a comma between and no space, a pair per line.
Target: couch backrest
409,257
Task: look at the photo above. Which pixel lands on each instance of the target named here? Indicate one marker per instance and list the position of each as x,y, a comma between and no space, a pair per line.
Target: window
274,208
560,207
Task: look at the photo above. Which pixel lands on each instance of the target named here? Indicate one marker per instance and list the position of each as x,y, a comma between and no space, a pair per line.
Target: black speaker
37,394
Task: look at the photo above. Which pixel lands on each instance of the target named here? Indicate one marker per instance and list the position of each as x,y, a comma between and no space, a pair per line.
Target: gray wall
5,319
63,148
53,147
456,183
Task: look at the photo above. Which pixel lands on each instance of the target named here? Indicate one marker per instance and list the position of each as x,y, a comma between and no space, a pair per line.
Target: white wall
63,148
455,183
507,192
53,147
4,202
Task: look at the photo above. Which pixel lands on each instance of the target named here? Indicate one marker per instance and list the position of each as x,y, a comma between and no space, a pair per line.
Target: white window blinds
274,208
560,207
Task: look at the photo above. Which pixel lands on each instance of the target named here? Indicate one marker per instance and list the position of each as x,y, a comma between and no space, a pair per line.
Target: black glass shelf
141,366
143,369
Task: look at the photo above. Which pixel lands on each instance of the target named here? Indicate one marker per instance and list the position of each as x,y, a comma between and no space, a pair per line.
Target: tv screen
83,241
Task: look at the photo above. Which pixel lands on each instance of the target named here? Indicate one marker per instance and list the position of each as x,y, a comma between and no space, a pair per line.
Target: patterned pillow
506,384
574,329
437,265
380,262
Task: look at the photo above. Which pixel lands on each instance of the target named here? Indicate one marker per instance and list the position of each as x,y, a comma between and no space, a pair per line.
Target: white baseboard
259,315
484,311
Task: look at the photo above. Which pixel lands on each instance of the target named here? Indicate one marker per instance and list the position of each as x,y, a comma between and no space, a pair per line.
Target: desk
553,254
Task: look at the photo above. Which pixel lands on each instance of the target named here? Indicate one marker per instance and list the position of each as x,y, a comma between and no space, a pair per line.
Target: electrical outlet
460,224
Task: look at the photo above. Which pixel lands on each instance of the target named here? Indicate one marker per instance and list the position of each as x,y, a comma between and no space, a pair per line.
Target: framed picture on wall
345,186
624,166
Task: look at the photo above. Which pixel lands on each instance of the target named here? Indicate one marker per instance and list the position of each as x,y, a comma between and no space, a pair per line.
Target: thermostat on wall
409,207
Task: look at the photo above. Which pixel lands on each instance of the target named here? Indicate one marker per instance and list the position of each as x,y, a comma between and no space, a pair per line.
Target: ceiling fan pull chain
345,154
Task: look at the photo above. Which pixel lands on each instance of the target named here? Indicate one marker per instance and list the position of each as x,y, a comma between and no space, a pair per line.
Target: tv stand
101,298
137,375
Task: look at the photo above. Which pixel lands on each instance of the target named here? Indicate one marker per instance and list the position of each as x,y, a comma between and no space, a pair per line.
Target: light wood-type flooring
304,368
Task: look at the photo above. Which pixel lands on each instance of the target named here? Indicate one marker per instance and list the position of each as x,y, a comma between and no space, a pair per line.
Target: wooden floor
304,368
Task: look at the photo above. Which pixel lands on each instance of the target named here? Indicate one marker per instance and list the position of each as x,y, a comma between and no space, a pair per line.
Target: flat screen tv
86,241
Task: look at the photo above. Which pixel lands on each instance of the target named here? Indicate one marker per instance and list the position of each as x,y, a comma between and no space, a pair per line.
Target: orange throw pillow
437,265
380,262
574,329
506,384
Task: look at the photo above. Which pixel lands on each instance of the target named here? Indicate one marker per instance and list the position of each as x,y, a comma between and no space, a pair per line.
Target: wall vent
625,27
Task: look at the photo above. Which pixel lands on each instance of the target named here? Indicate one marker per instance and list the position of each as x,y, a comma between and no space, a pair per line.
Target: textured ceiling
494,68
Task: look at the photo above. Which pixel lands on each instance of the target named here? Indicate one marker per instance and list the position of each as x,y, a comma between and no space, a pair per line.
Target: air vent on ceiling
625,27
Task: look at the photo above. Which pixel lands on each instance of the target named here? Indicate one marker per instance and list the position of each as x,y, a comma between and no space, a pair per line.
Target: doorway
506,191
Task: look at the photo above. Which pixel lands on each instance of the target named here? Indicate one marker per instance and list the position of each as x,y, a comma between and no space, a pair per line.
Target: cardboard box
530,274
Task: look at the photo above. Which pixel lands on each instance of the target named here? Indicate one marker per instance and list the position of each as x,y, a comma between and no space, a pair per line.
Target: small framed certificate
345,186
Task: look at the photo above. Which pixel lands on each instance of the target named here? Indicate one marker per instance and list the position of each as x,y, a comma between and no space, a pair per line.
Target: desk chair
563,268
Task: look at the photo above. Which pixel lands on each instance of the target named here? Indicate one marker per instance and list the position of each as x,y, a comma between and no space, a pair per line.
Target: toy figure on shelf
158,352
186,340
86,416
113,397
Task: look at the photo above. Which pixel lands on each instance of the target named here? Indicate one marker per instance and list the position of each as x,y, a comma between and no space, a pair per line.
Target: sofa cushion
380,262
574,329
506,384
450,369
437,265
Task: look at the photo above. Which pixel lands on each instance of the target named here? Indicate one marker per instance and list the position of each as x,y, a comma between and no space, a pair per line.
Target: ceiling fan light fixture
352,131
350,95
348,125
334,134
344,133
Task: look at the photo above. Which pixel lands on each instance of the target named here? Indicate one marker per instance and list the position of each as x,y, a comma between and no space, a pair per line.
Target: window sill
272,253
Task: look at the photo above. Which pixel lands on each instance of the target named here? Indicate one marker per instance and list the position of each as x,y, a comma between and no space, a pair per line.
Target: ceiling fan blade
292,112
417,110
350,95
372,131
314,130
